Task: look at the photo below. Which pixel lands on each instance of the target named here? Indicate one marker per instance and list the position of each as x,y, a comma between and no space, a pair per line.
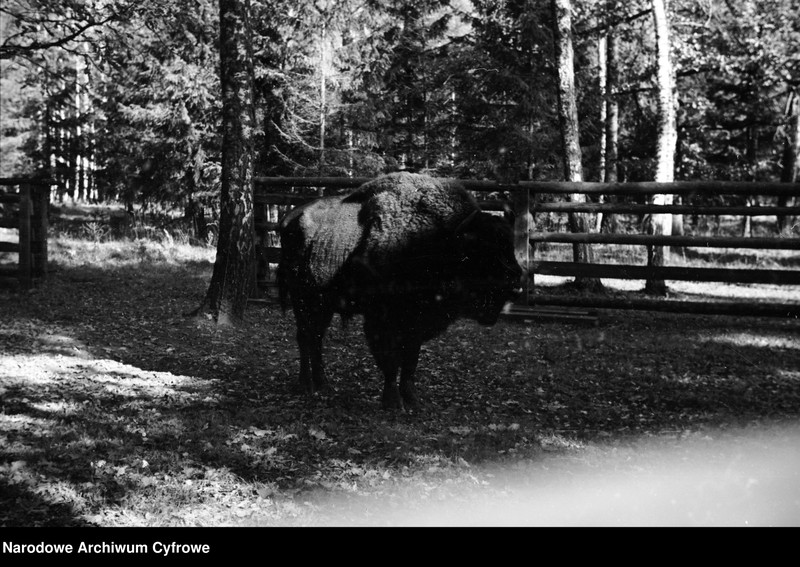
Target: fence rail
27,212
653,240
618,271
538,197
625,208
691,188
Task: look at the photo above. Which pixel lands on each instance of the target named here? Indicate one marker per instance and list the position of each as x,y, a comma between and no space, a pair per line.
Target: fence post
523,224
41,205
25,236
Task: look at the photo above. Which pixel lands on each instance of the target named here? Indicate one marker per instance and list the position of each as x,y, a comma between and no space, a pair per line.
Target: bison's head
487,273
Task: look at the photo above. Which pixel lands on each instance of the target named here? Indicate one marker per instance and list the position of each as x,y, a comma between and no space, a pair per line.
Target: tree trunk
80,170
661,224
790,161
232,279
568,119
611,126
322,98
612,109
602,76
747,225
194,213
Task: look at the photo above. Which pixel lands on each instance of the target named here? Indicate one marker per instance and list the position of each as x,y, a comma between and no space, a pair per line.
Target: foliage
456,87
506,92
740,67
15,126
158,108
32,26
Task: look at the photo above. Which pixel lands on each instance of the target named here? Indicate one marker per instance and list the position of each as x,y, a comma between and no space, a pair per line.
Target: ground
117,409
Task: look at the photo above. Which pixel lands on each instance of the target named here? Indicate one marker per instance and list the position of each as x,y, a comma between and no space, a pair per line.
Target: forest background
121,99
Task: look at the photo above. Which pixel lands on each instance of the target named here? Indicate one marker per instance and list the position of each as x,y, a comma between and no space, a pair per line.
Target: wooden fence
24,207
273,196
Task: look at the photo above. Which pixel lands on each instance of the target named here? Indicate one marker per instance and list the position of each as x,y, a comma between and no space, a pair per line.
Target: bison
410,253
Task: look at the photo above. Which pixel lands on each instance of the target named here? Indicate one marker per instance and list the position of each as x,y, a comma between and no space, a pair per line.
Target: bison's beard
488,304
489,319
486,310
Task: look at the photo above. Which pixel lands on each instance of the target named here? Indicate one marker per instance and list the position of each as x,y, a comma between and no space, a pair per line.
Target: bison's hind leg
312,322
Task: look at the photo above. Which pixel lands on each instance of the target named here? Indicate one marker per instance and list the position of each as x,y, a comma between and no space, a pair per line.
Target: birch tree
661,224
568,120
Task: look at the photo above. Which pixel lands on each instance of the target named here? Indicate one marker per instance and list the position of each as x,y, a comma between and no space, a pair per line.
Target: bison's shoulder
319,237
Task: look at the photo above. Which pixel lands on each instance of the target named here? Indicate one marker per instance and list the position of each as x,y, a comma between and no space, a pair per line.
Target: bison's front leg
384,345
389,364
408,389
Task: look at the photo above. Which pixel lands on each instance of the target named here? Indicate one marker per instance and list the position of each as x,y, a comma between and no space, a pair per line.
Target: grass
116,409
74,252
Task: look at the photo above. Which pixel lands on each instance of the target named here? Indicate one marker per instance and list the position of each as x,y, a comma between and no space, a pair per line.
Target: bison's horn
466,222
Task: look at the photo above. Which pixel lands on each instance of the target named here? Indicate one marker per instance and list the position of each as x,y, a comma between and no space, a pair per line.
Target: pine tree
232,278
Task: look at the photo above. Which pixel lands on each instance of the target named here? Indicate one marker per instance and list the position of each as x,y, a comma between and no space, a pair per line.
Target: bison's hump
403,205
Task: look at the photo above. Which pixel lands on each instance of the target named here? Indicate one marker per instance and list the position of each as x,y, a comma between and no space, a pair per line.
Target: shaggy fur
410,253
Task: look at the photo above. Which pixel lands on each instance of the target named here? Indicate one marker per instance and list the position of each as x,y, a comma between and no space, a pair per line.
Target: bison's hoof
409,394
392,402
301,387
324,389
